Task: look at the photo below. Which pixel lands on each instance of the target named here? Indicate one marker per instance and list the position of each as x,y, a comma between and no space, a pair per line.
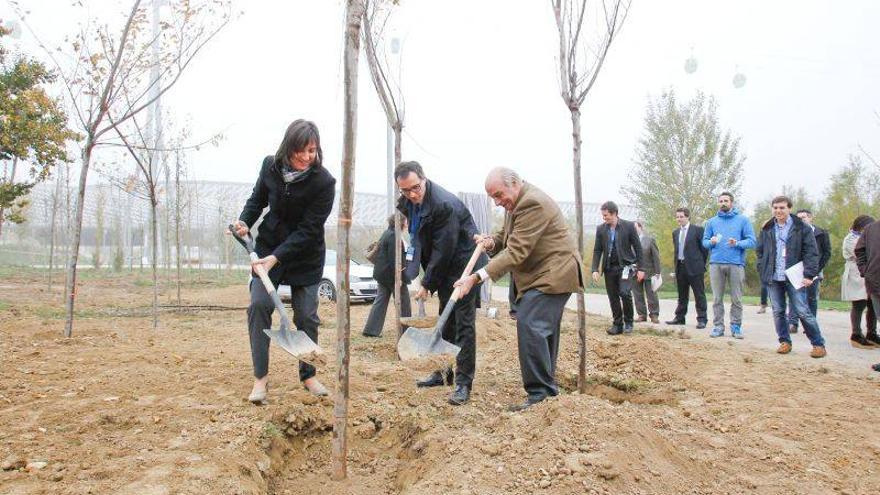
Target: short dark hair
861,222
804,210
781,199
297,136
610,207
684,210
405,168
728,194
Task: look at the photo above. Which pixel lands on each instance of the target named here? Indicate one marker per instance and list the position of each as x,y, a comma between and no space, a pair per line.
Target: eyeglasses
411,190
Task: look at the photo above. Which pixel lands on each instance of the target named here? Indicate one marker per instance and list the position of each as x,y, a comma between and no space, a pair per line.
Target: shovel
295,342
420,320
419,343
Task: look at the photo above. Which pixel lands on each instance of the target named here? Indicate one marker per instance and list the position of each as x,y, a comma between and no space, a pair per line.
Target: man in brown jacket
537,248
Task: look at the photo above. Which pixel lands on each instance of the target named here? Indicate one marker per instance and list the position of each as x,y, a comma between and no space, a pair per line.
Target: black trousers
855,317
619,294
461,330
537,333
685,283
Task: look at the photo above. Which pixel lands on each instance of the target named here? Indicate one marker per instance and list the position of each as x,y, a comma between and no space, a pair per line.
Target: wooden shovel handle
467,270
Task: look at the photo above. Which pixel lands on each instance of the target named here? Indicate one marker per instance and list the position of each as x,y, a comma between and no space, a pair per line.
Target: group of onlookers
791,254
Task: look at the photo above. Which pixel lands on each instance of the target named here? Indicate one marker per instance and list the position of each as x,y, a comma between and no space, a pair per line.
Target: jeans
763,294
778,290
812,303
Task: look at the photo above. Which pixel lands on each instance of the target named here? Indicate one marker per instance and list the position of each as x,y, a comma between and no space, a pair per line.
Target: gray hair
508,176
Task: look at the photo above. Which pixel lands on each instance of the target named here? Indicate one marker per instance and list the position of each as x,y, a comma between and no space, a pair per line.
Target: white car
363,286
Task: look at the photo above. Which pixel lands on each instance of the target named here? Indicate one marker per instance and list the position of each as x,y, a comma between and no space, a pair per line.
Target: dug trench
122,408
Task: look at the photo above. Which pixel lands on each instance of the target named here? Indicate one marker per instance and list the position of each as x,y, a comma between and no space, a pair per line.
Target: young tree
376,16
684,158
354,10
586,31
109,82
33,130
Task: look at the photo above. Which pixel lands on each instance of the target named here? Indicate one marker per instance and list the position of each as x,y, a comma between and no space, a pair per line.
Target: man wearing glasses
441,231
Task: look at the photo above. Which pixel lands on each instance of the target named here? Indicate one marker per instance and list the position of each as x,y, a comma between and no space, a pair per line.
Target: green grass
4,305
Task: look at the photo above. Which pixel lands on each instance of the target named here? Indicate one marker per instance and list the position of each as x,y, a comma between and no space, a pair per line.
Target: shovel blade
418,343
298,344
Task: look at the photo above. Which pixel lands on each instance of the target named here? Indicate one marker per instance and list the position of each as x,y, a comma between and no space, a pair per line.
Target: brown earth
122,408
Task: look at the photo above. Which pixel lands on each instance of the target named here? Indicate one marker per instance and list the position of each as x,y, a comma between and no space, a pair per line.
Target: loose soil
122,408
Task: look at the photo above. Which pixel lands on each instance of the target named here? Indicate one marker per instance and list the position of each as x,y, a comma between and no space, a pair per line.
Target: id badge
410,253
625,274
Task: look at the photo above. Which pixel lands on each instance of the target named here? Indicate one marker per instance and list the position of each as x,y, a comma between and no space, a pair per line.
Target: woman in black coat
383,272
299,192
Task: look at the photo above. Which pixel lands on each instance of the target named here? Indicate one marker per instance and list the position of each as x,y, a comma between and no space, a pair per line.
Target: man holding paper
789,261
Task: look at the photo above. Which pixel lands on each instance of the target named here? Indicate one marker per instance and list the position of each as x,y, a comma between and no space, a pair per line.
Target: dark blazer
293,229
695,255
650,255
823,243
800,246
383,268
629,247
445,239
868,257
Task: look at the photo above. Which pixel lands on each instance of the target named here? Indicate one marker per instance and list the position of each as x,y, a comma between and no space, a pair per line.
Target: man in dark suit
824,245
690,265
618,254
442,241
644,290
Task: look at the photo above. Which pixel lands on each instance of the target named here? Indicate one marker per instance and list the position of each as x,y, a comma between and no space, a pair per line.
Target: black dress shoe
627,328
436,379
701,325
615,330
461,395
675,322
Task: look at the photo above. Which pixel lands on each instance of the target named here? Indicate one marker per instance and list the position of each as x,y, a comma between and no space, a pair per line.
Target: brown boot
784,348
818,352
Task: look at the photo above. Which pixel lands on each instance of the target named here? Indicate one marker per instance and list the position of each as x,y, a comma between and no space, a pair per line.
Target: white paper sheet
656,282
795,274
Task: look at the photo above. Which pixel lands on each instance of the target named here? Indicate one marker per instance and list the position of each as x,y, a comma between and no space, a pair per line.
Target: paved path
757,328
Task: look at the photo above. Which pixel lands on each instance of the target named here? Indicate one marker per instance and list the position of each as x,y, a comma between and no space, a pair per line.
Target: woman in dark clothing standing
852,288
299,192
383,272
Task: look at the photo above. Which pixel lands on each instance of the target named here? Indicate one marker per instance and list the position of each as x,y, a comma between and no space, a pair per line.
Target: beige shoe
316,388
258,396
784,348
818,352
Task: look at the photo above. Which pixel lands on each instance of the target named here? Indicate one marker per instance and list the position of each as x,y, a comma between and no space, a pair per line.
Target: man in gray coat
644,288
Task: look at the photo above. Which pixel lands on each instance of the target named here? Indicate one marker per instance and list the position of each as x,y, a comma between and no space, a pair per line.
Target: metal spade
296,342
419,343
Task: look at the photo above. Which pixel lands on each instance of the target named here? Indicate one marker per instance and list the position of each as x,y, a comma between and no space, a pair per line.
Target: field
122,408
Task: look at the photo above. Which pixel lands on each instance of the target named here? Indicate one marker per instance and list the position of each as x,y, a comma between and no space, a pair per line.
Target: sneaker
736,331
818,351
860,342
784,348
717,332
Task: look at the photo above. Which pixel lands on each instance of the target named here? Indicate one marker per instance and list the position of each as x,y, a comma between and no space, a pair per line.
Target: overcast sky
481,88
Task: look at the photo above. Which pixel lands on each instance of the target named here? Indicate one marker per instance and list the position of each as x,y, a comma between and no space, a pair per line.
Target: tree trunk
354,11
53,221
579,214
70,285
11,180
177,221
154,230
398,262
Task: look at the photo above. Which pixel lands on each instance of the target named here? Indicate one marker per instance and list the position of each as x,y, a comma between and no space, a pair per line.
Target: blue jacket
730,225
